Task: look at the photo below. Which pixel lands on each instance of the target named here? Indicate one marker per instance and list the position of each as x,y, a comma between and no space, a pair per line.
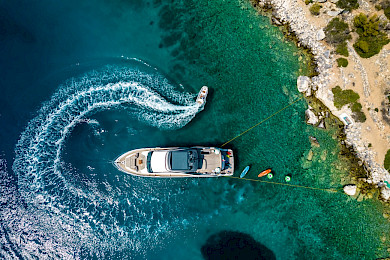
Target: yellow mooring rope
262,121
285,184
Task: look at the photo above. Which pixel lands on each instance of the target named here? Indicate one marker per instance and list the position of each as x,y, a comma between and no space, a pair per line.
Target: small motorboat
244,172
263,173
201,99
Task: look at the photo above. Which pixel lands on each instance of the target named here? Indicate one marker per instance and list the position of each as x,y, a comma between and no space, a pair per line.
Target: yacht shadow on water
234,245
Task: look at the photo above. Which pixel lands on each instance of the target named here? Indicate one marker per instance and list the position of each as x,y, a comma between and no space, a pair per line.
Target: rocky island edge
368,172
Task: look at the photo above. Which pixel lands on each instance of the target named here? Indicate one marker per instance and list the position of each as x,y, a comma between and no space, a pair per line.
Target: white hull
155,162
201,99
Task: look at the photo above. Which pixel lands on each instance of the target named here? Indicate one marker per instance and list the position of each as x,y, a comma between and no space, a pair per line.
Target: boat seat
131,162
140,162
210,162
204,164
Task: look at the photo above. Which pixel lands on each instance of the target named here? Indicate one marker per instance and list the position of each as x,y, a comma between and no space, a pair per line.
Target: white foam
38,161
44,137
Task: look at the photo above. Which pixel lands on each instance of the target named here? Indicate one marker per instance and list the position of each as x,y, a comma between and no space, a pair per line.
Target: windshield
178,161
148,162
183,160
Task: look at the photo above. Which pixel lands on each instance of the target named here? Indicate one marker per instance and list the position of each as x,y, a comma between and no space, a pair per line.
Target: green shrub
387,160
385,5
362,45
348,4
344,97
359,116
315,9
356,107
367,47
371,39
341,62
387,12
308,2
366,26
337,32
342,49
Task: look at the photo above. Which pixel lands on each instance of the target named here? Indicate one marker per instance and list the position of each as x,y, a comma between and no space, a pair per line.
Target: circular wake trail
39,165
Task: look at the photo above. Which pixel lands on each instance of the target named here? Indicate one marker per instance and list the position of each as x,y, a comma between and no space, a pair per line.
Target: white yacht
177,162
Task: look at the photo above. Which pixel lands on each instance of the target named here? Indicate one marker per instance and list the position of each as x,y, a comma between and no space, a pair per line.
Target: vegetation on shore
315,9
337,32
385,6
348,5
370,30
387,160
341,62
350,98
371,38
342,49
344,97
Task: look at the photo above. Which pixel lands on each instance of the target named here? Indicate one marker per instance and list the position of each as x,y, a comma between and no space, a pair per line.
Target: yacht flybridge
177,162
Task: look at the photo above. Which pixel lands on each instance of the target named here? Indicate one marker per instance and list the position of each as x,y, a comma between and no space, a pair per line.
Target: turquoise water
87,82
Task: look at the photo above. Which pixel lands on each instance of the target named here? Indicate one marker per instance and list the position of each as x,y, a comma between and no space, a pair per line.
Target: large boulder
311,118
335,12
303,83
320,35
322,124
385,193
350,189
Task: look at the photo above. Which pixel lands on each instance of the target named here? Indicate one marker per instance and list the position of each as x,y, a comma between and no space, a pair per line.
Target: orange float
263,173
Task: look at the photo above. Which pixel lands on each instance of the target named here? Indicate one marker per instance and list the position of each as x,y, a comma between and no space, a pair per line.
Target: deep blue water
84,82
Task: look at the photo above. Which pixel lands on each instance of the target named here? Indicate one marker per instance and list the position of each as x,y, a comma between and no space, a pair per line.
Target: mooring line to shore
262,121
285,184
270,182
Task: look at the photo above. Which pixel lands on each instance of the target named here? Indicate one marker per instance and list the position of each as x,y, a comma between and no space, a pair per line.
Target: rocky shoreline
290,14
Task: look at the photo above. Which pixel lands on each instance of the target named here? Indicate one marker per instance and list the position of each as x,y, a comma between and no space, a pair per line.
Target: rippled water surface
84,82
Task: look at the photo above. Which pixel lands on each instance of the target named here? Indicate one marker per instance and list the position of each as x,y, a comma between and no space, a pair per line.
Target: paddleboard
244,172
263,173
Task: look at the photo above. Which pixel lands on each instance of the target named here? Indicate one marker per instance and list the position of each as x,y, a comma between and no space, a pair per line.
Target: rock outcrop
311,118
303,83
350,189
320,35
289,12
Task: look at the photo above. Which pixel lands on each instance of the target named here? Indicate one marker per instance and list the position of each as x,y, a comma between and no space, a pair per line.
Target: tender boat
263,173
177,162
201,99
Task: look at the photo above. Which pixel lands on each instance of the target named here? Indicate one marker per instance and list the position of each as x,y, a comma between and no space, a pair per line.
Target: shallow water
87,82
